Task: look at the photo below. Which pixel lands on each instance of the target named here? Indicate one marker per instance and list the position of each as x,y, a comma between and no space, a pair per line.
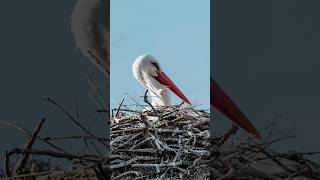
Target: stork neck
160,98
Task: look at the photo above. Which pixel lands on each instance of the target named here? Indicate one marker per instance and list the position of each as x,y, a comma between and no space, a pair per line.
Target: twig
119,108
51,138
73,119
98,92
85,157
105,174
7,165
22,162
231,131
28,133
147,101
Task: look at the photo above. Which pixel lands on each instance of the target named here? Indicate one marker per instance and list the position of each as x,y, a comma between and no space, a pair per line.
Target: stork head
149,66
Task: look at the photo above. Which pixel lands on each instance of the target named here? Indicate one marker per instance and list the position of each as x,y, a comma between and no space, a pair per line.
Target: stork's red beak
220,100
165,80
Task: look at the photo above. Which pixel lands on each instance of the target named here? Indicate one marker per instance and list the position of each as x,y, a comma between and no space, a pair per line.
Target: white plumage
147,70
143,70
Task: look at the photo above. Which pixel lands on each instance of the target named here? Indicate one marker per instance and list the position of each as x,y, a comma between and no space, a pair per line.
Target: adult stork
147,70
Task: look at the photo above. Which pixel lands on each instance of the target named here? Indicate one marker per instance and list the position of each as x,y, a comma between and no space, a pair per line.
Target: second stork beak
223,103
165,80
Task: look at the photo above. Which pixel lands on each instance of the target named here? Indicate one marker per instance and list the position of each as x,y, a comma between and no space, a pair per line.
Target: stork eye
156,65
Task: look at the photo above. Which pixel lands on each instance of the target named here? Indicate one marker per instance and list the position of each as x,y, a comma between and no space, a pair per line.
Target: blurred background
39,58
266,57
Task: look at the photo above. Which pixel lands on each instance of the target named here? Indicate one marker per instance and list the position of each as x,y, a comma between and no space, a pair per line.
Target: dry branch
74,120
22,162
88,165
29,134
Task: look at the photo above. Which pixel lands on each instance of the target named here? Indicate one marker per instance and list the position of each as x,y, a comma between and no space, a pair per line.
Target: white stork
147,70
90,20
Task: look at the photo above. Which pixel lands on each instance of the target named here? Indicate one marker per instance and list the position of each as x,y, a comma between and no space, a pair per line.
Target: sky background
266,56
176,32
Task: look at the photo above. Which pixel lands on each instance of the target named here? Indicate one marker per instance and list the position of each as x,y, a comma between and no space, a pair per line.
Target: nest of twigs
163,143
251,159
159,143
175,143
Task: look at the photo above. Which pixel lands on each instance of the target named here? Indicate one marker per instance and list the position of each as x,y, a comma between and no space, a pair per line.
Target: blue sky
176,32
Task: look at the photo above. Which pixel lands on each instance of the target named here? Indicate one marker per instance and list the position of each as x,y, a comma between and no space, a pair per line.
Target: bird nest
175,143
166,143
246,159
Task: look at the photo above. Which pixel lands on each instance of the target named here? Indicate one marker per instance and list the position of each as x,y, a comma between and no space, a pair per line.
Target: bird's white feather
143,70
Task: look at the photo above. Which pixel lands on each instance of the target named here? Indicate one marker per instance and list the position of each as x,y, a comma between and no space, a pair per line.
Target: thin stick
147,101
96,89
69,156
22,162
73,119
119,108
28,133
7,165
73,137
